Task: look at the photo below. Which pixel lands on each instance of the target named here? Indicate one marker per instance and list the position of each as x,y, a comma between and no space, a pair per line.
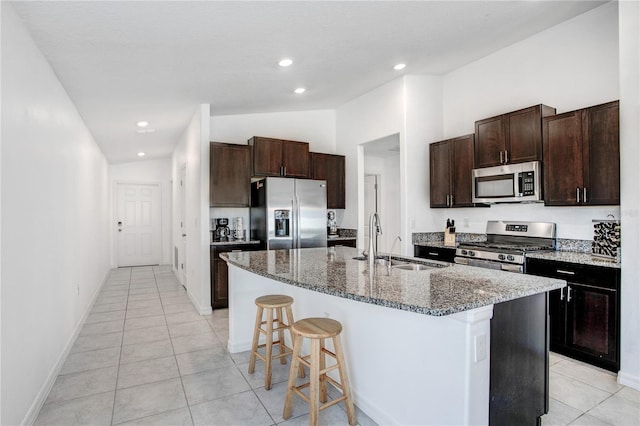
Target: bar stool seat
279,305
317,330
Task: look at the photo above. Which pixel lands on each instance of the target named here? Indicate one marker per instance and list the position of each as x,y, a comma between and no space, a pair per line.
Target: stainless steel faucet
374,221
391,251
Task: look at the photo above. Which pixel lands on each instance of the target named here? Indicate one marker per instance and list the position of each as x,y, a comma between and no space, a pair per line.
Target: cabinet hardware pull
562,271
285,170
562,294
506,156
432,254
501,157
577,195
451,200
235,251
568,293
612,290
584,195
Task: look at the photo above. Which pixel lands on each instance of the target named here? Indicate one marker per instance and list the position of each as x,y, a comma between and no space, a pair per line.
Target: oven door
489,264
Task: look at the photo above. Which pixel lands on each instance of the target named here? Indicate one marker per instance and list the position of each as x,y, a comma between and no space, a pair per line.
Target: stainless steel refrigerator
289,213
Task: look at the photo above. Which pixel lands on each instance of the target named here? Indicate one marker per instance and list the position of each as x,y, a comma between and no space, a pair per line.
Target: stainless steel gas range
507,244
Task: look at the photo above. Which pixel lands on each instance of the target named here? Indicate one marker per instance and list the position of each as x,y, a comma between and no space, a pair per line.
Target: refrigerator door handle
297,234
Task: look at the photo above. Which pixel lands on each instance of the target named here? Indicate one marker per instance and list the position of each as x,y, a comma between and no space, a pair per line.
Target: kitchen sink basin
411,267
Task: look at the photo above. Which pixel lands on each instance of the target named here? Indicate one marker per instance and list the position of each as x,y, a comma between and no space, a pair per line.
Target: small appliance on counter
239,233
332,225
222,231
450,233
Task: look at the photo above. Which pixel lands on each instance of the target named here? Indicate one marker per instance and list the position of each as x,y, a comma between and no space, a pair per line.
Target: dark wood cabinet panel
332,169
582,157
450,166
277,157
602,154
584,316
346,243
515,137
220,271
444,254
229,175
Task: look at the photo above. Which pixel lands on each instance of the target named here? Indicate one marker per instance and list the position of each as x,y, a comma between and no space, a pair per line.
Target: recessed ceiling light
285,62
399,67
300,90
141,154
142,124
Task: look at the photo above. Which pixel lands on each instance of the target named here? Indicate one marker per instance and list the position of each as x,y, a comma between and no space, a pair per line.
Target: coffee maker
222,231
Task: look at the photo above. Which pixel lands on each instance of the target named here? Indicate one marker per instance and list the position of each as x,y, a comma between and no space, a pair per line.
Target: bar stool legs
278,304
317,330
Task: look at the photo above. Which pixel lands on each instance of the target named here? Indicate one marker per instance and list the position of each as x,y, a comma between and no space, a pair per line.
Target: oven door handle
488,264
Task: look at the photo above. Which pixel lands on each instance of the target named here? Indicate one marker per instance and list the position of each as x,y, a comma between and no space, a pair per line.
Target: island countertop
441,290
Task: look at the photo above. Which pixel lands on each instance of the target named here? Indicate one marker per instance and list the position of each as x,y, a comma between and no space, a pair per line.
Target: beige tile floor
145,357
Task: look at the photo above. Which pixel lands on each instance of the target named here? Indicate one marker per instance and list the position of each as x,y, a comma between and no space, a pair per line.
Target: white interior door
370,203
139,224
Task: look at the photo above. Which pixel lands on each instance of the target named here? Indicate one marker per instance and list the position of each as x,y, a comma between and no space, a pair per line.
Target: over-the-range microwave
511,183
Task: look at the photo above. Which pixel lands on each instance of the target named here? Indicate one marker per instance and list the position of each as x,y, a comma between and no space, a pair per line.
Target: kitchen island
416,342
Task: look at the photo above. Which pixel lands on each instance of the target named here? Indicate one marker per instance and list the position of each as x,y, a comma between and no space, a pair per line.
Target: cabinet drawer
597,276
444,254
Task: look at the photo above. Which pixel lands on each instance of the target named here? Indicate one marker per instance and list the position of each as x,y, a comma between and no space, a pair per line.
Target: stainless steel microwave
511,183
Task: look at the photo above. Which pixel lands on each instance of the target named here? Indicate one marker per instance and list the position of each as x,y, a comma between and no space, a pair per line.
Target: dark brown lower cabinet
585,315
346,243
219,272
445,254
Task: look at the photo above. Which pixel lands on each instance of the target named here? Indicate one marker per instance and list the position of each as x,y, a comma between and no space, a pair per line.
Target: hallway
145,356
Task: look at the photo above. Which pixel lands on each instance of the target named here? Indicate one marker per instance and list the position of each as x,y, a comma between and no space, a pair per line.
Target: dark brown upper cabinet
515,137
229,175
278,157
582,157
450,165
332,169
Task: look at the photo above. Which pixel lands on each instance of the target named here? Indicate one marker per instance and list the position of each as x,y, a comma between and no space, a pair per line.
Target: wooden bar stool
317,330
272,303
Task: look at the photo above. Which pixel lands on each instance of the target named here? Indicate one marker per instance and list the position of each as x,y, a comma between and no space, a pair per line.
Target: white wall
570,66
316,127
372,116
193,151
629,15
55,238
144,172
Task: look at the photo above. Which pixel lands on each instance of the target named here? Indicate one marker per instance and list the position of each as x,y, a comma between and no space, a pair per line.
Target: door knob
119,223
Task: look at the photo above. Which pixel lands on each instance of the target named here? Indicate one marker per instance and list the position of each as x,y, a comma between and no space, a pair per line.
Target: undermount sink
411,267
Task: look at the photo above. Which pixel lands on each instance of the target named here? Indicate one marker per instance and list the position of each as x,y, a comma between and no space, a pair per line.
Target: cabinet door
462,165
591,322
332,169
230,175
220,290
444,254
267,156
601,155
295,159
490,142
439,173
557,318
524,135
562,146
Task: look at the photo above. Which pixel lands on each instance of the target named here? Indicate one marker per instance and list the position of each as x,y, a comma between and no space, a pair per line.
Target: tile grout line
115,391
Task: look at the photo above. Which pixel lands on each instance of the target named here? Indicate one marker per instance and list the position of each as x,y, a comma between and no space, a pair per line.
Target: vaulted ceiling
126,61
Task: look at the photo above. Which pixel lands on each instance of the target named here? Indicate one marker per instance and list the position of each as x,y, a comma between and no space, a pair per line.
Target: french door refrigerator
289,213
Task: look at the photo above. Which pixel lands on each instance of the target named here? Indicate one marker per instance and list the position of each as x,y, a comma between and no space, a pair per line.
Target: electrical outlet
479,347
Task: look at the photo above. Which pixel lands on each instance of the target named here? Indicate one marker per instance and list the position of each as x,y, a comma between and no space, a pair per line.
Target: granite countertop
234,242
443,290
573,257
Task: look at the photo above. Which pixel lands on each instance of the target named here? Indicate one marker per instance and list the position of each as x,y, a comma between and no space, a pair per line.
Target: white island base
405,368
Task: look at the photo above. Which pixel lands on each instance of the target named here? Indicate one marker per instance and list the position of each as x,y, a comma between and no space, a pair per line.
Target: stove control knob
463,252
501,256
511,258
472,253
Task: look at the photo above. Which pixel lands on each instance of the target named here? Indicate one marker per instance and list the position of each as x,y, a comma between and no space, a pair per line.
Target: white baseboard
42,395
238,346
202,310
371,410
629,380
